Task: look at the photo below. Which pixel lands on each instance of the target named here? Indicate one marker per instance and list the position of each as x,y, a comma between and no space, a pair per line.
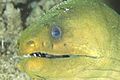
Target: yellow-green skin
88,27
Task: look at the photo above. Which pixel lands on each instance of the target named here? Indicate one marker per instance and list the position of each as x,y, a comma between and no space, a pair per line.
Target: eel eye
56,32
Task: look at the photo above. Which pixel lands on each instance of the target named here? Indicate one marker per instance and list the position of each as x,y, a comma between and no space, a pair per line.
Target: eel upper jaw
54,56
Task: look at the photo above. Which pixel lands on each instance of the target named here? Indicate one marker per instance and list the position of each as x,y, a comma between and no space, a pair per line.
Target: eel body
75,40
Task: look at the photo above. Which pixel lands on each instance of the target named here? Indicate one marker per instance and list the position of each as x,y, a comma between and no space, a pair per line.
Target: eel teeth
38,54
45,55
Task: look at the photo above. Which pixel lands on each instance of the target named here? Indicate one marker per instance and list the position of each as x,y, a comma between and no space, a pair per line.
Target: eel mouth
53,56
46,55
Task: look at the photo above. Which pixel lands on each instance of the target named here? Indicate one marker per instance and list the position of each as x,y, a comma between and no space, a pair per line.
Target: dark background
115,4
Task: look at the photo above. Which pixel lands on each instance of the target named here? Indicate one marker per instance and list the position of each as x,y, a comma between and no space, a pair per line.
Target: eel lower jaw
54,56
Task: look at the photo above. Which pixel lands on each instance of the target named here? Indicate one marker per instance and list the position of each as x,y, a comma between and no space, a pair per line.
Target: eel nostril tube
31,43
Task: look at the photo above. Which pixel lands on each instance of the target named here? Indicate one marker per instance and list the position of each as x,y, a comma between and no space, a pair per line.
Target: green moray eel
75,40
